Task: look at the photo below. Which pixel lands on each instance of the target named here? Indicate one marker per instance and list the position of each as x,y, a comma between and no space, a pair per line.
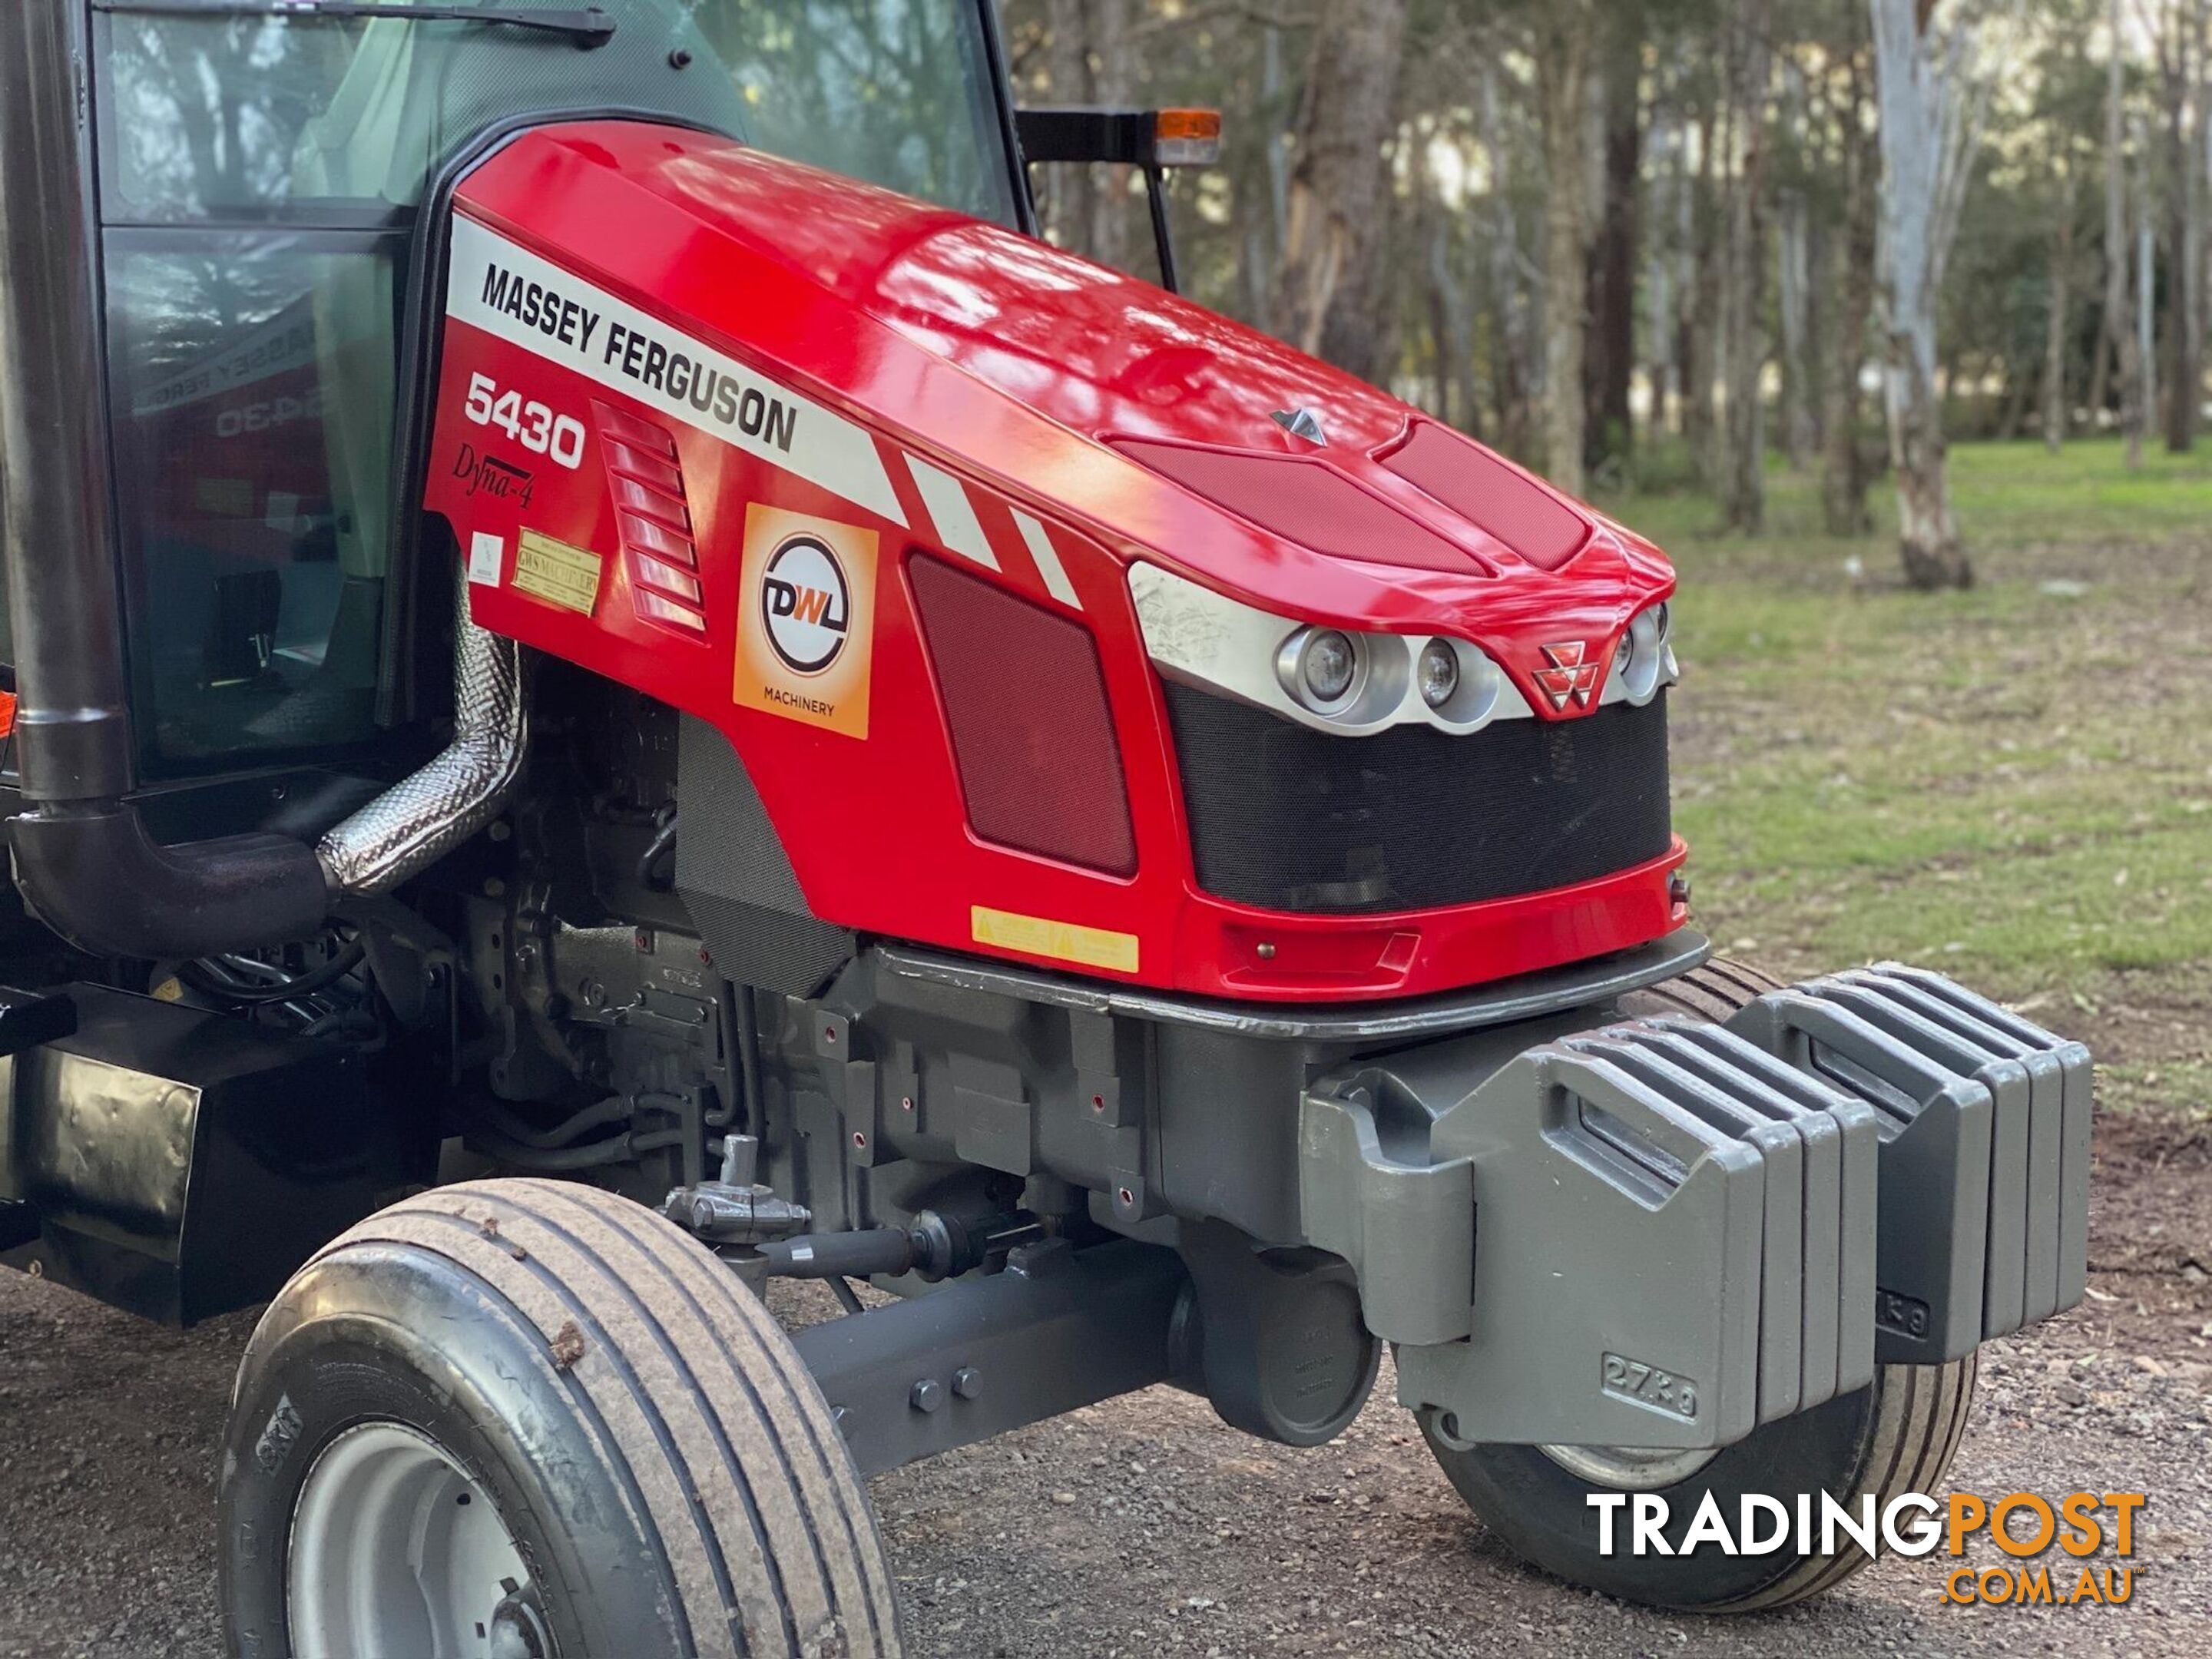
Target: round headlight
1438,673
1641,659
1324,668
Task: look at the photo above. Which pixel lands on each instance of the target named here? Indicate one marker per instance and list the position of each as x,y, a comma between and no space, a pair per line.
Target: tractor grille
1286,818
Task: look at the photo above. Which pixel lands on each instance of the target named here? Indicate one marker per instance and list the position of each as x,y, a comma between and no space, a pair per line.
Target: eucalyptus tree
1931,104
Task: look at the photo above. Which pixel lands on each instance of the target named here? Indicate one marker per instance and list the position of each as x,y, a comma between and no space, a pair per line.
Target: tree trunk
2145,301
1664,367
1701,310
2119,301
1797,263
1512,371
1456,392
2101,371
1927,530
1260,168
1929,122
1799,268
1072,204
1089,59
2199,151
1563,45
1336,184
2188,369
1743,471
1844,467
1611,370
2185,231
1362,332
2055,405
2012,410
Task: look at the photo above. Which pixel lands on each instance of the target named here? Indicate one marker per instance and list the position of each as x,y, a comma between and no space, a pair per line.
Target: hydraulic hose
306,984
614,1109
617,1149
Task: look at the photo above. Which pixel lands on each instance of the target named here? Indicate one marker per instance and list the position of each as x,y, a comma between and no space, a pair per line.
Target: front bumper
1663,1233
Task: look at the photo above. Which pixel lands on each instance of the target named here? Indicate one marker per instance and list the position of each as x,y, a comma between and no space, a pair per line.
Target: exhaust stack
417,822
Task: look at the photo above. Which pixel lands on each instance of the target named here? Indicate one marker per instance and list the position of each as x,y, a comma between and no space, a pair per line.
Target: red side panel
1026,707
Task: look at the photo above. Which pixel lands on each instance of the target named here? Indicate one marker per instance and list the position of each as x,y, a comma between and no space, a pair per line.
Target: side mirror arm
1151,140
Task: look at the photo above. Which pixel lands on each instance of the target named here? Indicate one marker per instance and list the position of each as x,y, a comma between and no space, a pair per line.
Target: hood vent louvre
644,476
1482,489
1304,501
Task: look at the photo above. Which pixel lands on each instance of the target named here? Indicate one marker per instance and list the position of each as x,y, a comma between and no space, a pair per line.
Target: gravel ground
1143,1528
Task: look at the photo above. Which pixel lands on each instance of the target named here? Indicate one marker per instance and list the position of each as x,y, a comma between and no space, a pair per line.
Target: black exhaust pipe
83,860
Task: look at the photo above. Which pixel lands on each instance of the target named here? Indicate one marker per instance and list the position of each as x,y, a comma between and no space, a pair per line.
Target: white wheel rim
397,1553
1629,1468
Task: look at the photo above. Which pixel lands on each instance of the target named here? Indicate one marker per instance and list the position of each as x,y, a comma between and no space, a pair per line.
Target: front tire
1897,1435
528,1419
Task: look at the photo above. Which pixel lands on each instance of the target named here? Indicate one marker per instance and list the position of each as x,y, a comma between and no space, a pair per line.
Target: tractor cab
256,175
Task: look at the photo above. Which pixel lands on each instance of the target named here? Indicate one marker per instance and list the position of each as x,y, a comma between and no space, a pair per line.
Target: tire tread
772,1548
1713,991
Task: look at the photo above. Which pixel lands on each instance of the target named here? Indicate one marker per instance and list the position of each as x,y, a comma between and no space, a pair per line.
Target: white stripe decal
953,513
1047,561
531,302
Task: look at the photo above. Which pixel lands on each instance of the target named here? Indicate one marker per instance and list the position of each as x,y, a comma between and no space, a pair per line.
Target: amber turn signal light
1187,138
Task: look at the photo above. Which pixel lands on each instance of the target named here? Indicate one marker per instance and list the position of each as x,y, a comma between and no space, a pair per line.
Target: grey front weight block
1651,1235
1984,1164
1664,1233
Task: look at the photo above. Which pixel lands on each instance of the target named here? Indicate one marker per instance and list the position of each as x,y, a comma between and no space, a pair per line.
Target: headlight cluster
1363,681
1343,681
1321,668
1435,672
1644,659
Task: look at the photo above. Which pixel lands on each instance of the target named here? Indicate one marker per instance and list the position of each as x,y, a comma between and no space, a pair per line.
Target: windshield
238,112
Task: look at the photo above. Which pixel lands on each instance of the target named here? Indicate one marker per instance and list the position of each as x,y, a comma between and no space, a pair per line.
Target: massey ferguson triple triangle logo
1566,674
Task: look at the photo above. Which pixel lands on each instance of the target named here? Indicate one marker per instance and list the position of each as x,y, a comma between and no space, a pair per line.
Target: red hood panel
1021,364
859,483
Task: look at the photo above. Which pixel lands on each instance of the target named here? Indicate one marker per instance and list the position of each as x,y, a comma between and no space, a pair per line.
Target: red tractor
629,688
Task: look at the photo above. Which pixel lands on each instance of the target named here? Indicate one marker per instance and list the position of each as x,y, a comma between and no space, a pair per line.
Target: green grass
2006,495
2012,784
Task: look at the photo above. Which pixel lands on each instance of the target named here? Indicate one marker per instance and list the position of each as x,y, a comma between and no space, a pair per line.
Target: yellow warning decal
1063,941
556,573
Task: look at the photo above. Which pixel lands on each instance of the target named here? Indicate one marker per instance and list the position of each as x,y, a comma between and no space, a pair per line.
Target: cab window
247,113
259,179
251,401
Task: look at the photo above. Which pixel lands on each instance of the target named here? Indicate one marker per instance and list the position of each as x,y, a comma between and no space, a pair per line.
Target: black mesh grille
1289,818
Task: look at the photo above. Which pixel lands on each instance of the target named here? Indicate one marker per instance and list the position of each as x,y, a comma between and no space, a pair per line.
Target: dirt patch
568,1346
2150,1245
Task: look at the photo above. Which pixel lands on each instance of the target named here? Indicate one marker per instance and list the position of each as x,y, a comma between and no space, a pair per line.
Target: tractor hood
1164,432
